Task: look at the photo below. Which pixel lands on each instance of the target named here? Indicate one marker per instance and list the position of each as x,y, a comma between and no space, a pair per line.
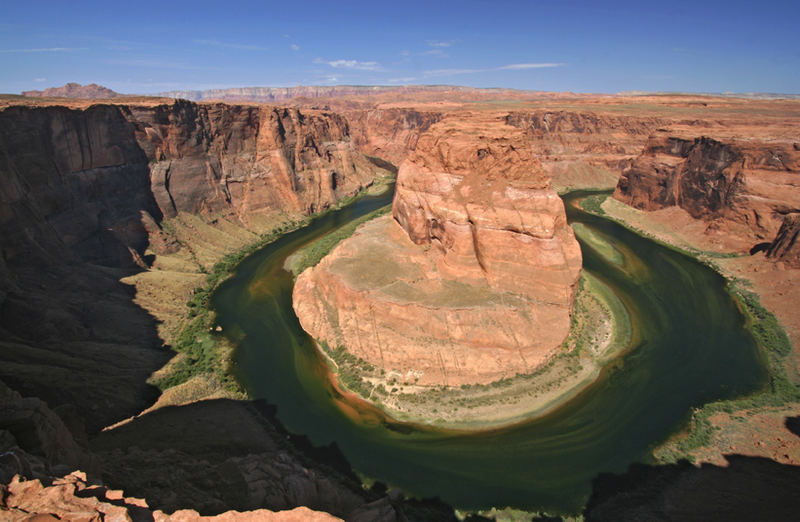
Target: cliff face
389,133
584,148
247,161
786,246
486,206
92,184
82,197
742,184
473,278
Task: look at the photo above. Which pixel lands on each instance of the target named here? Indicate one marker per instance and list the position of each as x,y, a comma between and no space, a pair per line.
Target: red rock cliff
786,246
389,134
734,183
82,189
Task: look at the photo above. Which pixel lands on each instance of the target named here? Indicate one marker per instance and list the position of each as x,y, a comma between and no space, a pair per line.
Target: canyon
113,212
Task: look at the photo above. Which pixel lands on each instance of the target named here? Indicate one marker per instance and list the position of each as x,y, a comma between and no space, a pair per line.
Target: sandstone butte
470,280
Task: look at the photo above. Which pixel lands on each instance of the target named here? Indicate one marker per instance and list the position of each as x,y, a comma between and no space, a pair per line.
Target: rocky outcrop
74,90
472,281
73,498
35,441
744,185
786,246
485,205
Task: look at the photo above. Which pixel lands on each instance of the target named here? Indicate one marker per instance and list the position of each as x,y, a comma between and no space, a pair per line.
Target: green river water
691,348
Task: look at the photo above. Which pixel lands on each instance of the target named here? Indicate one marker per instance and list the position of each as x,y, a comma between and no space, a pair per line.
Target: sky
605,47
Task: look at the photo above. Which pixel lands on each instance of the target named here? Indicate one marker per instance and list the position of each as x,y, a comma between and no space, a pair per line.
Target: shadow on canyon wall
76,198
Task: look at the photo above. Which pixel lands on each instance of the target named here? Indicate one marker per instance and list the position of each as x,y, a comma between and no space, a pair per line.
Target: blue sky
147,47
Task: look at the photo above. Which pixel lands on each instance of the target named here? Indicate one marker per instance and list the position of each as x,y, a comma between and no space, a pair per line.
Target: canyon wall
471,280
584,148
389,134
743,186
86,195
83,194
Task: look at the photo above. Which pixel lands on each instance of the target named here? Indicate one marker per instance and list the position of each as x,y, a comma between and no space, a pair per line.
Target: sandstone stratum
470,280
742,188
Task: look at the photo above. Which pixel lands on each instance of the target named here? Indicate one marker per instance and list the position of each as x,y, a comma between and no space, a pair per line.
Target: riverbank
177,286
767,294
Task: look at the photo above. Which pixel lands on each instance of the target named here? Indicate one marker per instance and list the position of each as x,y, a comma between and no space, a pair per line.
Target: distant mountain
276,94
74,90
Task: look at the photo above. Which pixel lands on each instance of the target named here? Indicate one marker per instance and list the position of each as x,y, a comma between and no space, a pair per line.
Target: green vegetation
763,326
774,346
198,341
349,369
202,348
593,204
313,253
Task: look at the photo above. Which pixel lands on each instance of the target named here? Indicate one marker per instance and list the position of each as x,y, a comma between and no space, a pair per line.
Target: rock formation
389,134
74,90
738,184
471,280
786,246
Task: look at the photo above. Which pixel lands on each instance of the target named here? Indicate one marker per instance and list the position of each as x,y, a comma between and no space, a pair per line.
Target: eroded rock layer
744,187
786,246
471,280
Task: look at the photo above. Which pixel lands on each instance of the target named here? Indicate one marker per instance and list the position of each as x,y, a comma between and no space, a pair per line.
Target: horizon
572,46
205,92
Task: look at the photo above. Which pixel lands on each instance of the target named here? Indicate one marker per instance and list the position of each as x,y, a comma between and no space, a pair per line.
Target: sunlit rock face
742,188
470,280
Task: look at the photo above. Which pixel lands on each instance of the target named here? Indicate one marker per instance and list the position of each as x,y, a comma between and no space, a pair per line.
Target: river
691,348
